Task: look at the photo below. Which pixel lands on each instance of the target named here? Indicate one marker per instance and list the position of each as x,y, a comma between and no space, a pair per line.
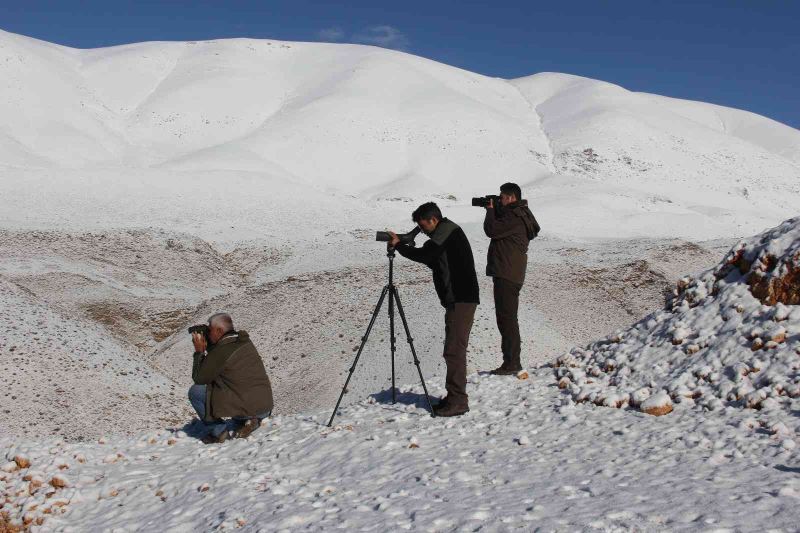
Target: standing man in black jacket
511,226
448,254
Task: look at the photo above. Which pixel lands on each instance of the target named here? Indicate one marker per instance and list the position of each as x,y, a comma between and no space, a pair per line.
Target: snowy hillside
135,292
528,454
124,135
51,360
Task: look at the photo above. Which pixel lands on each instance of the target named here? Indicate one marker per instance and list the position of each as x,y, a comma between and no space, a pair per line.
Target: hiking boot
442,402
218,439
450,410
504,370
249,426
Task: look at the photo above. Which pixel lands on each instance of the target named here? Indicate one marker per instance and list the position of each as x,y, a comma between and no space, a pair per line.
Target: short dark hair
427,211
511,188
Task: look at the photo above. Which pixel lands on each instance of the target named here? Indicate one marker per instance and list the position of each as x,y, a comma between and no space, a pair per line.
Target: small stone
778,335
59,482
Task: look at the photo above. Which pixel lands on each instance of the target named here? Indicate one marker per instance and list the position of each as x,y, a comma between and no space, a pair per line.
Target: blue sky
743,54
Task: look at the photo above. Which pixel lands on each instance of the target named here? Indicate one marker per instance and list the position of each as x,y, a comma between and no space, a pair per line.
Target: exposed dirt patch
632,286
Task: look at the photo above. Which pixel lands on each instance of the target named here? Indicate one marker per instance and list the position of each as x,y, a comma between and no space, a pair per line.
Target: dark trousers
457,325
506,304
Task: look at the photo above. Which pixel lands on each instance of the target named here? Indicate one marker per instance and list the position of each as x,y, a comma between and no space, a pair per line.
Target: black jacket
449,255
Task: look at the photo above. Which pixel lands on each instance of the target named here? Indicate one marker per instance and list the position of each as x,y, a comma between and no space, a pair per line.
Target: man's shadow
788,469
194,429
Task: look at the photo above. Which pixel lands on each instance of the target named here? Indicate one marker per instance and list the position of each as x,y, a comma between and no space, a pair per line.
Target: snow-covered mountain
123,134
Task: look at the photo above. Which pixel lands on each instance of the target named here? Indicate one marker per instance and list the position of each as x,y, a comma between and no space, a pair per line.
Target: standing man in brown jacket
230,381
511,226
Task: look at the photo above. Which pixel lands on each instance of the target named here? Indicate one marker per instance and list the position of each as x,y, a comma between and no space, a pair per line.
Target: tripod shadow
405,398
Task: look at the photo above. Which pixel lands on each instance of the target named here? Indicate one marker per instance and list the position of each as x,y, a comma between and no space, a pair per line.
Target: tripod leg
411,345
360,349
392,339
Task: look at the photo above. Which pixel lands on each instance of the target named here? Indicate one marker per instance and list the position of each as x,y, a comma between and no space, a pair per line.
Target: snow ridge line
135,109
551,151
540,127
722,123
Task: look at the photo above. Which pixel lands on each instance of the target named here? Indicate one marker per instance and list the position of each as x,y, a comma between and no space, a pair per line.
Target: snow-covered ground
524,458
144,187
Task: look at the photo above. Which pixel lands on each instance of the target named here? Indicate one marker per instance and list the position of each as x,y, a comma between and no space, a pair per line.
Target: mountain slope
381,124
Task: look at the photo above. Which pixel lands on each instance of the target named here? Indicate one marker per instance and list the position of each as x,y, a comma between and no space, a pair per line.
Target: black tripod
391,290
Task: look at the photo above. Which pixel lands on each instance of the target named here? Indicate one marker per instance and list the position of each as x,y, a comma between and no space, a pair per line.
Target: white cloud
331,34
385,36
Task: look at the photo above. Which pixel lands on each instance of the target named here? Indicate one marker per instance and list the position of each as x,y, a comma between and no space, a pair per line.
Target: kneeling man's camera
202,329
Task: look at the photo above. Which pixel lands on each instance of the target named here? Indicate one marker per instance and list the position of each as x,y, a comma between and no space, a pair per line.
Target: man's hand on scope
199,342
490,205
395,240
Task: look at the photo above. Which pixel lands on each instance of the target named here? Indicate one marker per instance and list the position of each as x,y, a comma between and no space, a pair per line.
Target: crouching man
448,254
230,381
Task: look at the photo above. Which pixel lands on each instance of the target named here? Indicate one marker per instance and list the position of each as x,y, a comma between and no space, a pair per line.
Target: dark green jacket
237,383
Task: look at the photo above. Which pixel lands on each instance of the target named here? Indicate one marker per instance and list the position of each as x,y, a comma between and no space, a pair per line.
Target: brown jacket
237,383
511,229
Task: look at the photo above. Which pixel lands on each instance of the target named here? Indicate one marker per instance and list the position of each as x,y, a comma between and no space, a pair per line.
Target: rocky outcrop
770,265
729,336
